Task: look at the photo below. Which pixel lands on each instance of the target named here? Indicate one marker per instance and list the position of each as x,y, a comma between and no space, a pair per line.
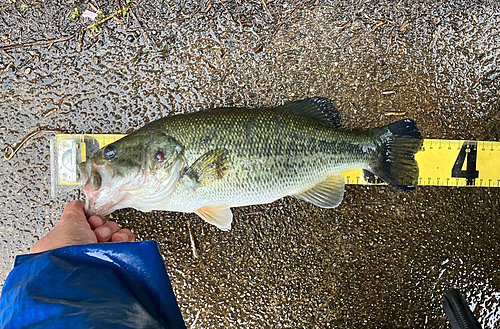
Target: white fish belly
244,187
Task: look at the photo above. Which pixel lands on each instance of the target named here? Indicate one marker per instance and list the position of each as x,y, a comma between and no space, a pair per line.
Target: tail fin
396,164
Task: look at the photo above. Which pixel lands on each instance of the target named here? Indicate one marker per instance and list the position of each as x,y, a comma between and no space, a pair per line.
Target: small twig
24,65
380,23
354,106
344,26
7,68
144,34
50,112
94,8
154,53
7,54
22,188
388,92
254,213
195,319
394,113
222,3
434,39
9,152
239,18
116,13
80,41
193,246
290,13
128,20
404,26
267,9
389,43
36,43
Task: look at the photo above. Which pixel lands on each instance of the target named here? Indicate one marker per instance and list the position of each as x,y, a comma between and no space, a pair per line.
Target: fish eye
110,151
159,156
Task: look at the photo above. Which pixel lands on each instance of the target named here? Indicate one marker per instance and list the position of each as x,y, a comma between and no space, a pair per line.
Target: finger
104,232
74,211
96,221
123,235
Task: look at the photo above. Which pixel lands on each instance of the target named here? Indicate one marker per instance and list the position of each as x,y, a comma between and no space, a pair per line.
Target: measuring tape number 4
459,163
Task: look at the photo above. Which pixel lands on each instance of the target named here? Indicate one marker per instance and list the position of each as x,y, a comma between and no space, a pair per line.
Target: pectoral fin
212,165
220,216
326,194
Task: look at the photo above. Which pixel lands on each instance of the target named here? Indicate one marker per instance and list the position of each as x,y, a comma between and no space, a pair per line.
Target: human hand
74,228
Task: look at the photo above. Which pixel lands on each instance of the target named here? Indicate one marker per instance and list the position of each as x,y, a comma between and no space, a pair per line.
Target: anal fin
326,194
220,216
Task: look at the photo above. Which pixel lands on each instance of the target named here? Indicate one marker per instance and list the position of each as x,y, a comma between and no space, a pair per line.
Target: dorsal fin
319,108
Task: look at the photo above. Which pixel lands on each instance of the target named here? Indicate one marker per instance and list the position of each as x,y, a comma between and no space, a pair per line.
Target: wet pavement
383,258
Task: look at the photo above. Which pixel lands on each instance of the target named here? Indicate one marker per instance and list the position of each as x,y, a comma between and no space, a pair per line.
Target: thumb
74,212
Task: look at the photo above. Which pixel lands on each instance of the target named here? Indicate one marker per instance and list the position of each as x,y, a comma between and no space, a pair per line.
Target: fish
210,161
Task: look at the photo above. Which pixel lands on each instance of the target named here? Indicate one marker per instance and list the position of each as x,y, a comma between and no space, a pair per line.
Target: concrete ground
383,258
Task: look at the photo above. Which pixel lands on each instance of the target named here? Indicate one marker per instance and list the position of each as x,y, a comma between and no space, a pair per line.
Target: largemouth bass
210,161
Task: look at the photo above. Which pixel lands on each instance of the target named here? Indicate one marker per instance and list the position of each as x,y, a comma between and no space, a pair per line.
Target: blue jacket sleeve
112,285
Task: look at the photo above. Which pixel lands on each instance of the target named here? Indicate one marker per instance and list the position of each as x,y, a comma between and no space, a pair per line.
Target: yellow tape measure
441,162
450,163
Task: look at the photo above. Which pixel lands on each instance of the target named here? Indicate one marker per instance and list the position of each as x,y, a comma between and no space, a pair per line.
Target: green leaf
75,13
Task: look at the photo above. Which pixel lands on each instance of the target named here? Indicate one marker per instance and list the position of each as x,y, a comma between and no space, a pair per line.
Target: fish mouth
106,192
95,180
